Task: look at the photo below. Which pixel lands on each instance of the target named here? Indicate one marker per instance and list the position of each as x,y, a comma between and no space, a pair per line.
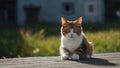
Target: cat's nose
71,35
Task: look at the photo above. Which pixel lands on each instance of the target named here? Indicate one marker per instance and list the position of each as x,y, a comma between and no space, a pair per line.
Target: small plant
38,45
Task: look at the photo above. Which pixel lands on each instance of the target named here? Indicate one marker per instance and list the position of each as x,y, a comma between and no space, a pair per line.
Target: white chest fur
71,44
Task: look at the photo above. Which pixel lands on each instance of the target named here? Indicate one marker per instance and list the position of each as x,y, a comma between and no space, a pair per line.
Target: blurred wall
52,10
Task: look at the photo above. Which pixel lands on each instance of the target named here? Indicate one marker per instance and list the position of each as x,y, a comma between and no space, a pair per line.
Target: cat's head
71,29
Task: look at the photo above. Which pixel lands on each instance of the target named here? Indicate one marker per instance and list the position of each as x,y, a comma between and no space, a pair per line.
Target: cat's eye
67,31
75,31
78,26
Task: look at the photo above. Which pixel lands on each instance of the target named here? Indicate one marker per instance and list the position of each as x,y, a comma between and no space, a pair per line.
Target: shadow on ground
97,61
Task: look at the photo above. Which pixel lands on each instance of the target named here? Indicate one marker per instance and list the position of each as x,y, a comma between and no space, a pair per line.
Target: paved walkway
105,60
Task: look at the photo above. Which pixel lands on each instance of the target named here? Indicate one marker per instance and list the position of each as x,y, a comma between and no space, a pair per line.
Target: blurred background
32,27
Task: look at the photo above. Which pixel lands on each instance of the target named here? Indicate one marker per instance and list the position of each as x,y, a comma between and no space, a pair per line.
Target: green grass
44,39
105,41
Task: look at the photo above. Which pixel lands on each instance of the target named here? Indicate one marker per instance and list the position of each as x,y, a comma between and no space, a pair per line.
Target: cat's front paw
64,57
75,57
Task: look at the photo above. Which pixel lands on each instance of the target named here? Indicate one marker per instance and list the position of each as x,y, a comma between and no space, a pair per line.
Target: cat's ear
63,20
79,21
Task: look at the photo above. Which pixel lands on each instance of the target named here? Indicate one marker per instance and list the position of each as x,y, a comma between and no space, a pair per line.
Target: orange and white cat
74,44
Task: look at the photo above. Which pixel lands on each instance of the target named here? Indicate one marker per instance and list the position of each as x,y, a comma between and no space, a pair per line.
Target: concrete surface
104,60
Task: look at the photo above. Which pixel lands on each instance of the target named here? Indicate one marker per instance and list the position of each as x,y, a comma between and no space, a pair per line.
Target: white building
21,12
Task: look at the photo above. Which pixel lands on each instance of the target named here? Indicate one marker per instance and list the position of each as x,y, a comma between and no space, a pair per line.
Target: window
68,8
91,8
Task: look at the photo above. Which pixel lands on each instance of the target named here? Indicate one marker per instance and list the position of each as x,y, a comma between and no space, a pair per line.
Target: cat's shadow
96,61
